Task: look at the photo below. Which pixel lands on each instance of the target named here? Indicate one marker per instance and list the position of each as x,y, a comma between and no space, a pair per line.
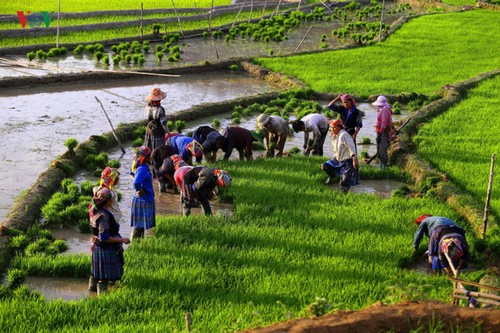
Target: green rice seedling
78,50
138,142
30,55
41,54
59,246
4,292
396,108
86,187
205,34
141,131
19,242
98,55
114,163
124,53
180,125
234,67
364,154
24,294
448,31
216,123
366,141
270,52
235,114
15,278
84,227
319,308
128,58
156,28
116,60
71,144
38,246
235,120
105,60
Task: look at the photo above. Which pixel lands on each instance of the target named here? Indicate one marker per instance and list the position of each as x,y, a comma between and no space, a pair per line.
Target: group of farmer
172,156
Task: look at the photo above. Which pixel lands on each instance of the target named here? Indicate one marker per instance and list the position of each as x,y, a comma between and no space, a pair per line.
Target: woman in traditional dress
106,247
142,210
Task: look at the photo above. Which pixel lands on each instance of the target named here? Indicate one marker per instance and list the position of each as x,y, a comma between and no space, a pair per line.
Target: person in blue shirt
186,147
426,224
142,209
447,244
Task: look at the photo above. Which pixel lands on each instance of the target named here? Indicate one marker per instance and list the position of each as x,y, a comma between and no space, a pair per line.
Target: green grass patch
461,141
269,262
422,56
11,7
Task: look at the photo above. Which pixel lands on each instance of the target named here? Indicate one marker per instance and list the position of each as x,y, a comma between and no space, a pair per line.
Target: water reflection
66,289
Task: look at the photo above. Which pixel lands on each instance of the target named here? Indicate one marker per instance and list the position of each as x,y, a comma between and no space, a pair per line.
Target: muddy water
67,289
35,125
198,49
168,203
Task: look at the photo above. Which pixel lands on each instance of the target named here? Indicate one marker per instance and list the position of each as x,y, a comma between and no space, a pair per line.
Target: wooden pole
488,196
178,18
210,30
303,39
381,21
58,21
142,18
111,124
237,15
251,10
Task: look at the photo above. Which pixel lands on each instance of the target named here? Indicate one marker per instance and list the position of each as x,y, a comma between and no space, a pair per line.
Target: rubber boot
92,284
102,287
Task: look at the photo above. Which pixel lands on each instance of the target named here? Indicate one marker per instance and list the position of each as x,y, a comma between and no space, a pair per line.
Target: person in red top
382,126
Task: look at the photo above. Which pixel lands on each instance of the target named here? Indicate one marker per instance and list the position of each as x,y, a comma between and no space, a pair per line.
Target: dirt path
421,316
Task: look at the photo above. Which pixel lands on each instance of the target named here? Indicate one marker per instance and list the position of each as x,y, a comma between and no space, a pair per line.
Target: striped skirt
153,142
107,262
142,213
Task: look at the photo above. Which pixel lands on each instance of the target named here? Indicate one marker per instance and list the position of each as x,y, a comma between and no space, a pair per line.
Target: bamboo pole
488,196
210,30
142,20
264,8
58,21
111,124
251,10
237,15
381,19
477,294
178,18
475,284
117,95
303,39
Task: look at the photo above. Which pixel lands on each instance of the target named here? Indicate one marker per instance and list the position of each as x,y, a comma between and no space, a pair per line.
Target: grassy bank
11,7
461,141
422,56
266,263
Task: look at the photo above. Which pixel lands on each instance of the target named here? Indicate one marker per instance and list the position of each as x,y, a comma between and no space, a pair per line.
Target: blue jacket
427,227
143,180
179,143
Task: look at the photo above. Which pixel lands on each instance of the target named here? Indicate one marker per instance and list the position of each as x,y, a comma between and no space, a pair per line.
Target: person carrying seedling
447,244
276,131
198,186
344,162
351,116
314,123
